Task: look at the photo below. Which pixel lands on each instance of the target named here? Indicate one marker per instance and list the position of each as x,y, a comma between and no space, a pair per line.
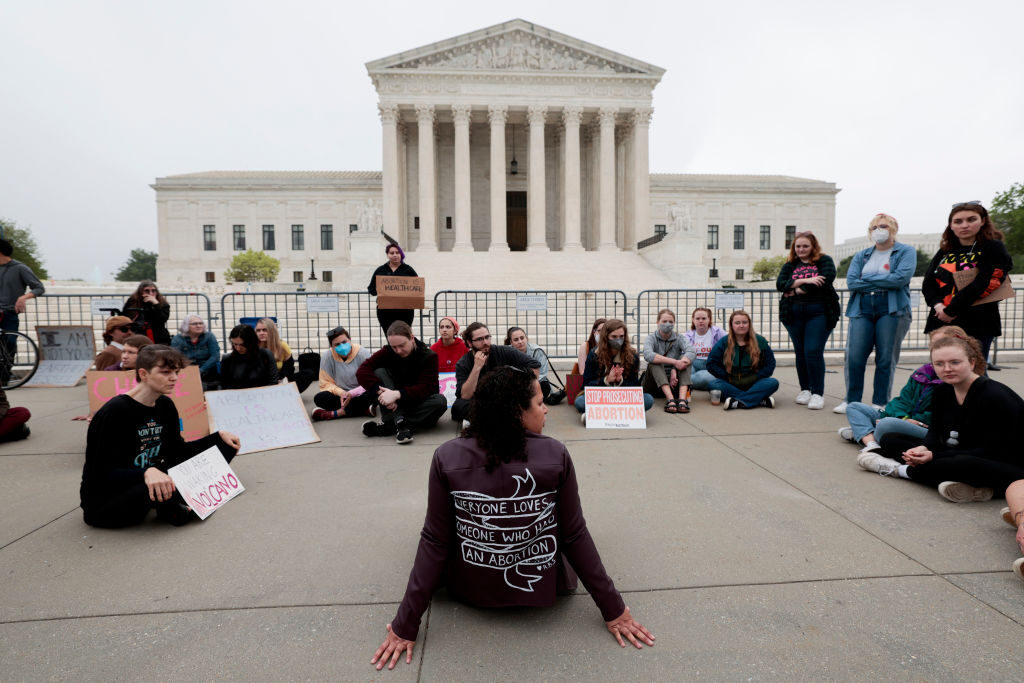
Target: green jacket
915,399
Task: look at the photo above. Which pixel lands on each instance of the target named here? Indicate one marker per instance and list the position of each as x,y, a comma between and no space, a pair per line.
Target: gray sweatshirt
676,346
15,276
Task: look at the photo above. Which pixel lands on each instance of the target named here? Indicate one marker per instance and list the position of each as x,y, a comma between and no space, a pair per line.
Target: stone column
463,207
606,170
641,174
497,115
391,209
427,179
536,217
571,191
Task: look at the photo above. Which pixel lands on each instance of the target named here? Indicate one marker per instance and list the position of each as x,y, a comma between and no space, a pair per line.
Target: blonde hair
883,218
273,340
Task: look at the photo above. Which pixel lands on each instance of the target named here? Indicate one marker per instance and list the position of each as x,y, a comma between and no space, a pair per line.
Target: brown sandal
682,405
671,406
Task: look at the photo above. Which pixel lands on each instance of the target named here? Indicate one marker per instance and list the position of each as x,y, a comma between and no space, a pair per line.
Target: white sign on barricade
263,418
446,385
729,300
531,302
615,408
59,373
321,304
97,304
206,481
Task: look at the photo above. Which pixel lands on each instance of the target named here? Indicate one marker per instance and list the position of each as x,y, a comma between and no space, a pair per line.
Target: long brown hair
593,328
988,231
606,354
273,340
753,350
135,300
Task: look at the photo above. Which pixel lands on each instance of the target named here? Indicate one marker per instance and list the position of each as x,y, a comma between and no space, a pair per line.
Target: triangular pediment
515,46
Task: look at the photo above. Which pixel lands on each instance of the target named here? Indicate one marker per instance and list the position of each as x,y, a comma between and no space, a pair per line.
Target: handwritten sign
187,396
531,302
446,386
97,304
400,292
264,418
321,304
66,342
729,300
615,408
59,373
206,482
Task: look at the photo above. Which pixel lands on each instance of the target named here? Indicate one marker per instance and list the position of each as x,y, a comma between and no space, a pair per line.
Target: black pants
130,506
302,379
974,470
386,316
417,416
356,407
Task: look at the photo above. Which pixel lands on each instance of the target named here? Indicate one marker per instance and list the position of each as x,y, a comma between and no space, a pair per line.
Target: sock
872,444
901,472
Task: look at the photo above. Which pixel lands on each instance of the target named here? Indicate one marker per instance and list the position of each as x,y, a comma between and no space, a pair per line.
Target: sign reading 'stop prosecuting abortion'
615,408
263,418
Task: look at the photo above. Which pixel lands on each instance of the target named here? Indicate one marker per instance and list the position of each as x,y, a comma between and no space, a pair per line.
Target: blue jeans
700,378
866,420
875,328
749,398
581,401
808,329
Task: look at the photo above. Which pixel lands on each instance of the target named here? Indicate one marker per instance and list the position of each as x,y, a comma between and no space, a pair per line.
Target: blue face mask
343,349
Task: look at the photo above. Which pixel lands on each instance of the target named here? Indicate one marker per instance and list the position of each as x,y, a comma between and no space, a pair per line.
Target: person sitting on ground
703,335
199,345
613,363
449,346
909,413
402,377
340,394
133,440
13,421
149,311
247,366
742,364
588,345
270,339
517,339
669,356
972,449
118,328
484,358
132,346
1014,516
502,457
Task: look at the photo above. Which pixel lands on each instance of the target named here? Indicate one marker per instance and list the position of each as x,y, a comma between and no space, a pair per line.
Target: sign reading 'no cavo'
400,292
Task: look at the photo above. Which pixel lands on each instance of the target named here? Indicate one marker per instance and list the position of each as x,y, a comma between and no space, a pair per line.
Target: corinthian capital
642,116
388,113
536,115
497,114
425,113
572,115
607,116
461,113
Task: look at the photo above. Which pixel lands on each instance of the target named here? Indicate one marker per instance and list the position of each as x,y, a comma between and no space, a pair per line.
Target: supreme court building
514,138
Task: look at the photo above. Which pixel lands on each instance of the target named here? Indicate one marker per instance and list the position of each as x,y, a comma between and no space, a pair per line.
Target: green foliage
25,248
1007,212
844,266
768,268
252,266
141,265
923,260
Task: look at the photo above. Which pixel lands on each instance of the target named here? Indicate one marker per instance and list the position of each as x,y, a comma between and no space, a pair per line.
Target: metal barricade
555,320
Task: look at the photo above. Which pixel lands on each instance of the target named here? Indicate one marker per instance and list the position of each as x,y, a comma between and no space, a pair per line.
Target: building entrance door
515,220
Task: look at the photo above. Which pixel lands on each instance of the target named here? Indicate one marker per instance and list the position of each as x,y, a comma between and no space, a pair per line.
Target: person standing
15,278
809,308
149,310
395,266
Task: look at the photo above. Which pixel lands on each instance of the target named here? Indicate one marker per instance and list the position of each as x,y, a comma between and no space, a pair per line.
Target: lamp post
312,273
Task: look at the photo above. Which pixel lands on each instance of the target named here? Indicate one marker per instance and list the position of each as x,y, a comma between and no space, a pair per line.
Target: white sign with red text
615,408
206,482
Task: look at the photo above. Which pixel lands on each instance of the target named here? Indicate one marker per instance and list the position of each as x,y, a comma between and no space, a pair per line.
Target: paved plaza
748,542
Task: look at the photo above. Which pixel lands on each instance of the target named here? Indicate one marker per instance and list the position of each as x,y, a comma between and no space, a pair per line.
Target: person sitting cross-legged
742,364
340,394
482,359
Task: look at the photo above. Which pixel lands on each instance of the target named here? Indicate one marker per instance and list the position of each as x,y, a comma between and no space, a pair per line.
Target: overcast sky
906,106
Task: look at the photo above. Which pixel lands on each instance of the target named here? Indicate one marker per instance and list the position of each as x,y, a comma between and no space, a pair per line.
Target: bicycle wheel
19,359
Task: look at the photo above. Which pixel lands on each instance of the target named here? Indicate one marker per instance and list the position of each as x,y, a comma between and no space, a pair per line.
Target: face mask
666,328
880,235
615,343
343,349
597,337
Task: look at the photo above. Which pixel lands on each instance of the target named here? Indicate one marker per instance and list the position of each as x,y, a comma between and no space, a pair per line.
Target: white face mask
880,235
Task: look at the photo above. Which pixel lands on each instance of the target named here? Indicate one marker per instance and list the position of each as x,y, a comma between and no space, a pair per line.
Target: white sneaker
873,462
817,402
716,397
1007,517
847,433
875,406
803,397
730,403
840,409
583,418
1018,568
959,492
465,424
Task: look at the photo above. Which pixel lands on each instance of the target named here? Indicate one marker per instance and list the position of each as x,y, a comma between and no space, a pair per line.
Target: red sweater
495,537
448,356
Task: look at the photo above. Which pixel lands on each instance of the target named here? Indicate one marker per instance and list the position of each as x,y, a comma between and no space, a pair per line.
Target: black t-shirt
498,357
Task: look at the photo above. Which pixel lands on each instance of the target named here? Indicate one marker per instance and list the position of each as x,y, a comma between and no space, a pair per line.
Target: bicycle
19,359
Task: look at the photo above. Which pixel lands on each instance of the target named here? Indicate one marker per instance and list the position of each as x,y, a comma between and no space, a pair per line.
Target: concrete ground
748,542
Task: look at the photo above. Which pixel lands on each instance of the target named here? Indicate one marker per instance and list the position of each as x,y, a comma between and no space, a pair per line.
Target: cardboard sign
206,482
58,373
729,300
321,304
400,292
187,396
615,408
263,418
962,278
66,342
446,386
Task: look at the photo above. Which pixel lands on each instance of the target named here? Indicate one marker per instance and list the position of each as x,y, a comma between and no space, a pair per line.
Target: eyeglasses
126,328
973,202
197,324
480,339
149,290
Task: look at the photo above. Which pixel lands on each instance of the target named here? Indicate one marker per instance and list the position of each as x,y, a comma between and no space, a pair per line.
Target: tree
1007,213
25,248
252,266
768,268
843,266
141,265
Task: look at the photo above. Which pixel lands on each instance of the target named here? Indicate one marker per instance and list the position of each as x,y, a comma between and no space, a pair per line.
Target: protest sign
59,373
263,418
400,292
66,342
206,482
187,397
615,408
446,385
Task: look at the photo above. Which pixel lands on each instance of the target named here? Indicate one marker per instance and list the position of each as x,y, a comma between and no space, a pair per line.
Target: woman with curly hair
613,363
503,520
742,364
149,312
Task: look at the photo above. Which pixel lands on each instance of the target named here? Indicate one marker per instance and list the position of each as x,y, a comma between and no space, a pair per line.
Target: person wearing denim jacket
878,309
